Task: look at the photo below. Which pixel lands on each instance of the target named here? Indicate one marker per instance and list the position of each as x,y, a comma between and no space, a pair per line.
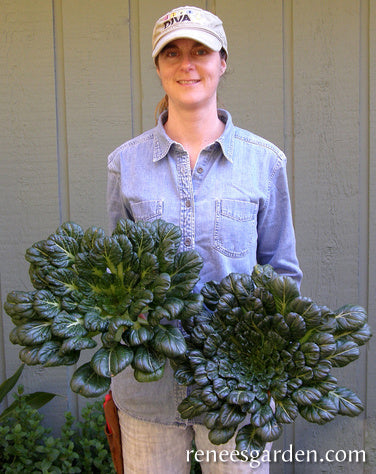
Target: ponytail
161,107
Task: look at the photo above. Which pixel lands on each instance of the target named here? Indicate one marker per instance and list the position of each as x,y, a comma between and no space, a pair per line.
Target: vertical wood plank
326,106
61,113
28,169
98,99
370,431
252,89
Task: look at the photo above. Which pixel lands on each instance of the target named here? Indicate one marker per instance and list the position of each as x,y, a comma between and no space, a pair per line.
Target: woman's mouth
189,82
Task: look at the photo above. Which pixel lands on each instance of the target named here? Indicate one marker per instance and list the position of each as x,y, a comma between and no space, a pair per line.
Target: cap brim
199,35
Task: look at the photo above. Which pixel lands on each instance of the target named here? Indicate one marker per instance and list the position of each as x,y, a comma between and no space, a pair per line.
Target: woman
227,190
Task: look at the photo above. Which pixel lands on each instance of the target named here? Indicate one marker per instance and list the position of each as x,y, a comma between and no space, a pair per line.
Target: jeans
153,448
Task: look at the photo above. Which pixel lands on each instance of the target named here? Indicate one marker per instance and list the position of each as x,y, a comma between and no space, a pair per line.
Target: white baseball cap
189,22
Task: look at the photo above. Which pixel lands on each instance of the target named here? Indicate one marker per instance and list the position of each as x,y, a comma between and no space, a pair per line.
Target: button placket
187,201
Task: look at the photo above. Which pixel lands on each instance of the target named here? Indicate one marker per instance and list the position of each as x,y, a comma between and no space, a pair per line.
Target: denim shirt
233,208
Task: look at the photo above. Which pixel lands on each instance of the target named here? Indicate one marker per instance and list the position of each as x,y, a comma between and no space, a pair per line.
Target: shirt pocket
147,210
235,228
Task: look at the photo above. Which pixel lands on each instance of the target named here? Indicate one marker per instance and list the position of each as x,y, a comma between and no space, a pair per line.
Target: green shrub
27,446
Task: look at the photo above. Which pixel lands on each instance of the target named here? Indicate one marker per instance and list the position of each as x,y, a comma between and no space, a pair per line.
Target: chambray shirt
233,208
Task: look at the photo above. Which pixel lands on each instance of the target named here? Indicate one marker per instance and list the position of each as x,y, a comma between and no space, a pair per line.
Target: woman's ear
223,66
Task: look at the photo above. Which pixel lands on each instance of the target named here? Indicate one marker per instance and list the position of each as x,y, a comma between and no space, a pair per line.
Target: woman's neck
194,130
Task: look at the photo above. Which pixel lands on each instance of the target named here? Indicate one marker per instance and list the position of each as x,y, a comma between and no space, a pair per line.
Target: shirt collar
163,143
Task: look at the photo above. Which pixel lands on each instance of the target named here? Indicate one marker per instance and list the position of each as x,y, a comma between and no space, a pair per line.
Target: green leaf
221,435
167,231
46,304
346,352
141,376
262,415
35,400
271,431
34,333
37,254
61,250
62,281
192,305
106,253
362,335
322,370
221,388
210,419
111,361
320,412
209,397
346,401
349,318
76,343
189,261
50,356
285,410
10,382
248,443
169,341
240,397
306,395
90,236
94,322
182,284
326,343
296,324
148,268
68,325
30,355
183,374
279,389
200,375
311,353
174,306
117,326
71,229
211,292
192,406
20,304
310,312
148,360
140,335
88,383
141,238
230,415
284,290
160,286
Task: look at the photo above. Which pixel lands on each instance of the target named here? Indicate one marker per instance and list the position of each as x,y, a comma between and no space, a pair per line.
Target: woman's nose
186,62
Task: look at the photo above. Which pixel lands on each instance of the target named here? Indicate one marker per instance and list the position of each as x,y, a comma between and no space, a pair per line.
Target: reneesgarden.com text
277,455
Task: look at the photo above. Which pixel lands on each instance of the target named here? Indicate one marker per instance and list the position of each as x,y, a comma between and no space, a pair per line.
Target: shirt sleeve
115,204
276,237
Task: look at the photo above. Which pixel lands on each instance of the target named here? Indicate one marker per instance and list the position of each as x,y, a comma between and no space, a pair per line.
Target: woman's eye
201,52
169,53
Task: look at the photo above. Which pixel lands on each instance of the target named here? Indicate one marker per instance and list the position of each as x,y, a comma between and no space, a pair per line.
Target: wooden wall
77,80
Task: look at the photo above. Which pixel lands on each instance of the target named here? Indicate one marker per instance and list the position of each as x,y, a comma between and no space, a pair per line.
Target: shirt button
188,203
200,170
187,242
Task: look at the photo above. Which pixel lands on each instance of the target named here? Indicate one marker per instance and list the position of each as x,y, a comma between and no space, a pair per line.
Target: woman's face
190,73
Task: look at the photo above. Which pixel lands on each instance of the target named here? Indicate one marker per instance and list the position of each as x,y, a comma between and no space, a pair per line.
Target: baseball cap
189,22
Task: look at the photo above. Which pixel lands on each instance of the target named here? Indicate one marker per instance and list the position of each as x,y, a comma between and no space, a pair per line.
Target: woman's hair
163,103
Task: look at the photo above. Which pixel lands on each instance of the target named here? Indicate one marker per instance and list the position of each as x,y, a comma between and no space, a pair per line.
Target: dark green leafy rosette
120,286
261,354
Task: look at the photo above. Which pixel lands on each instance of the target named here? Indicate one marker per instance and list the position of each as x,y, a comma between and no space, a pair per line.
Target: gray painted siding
76,80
